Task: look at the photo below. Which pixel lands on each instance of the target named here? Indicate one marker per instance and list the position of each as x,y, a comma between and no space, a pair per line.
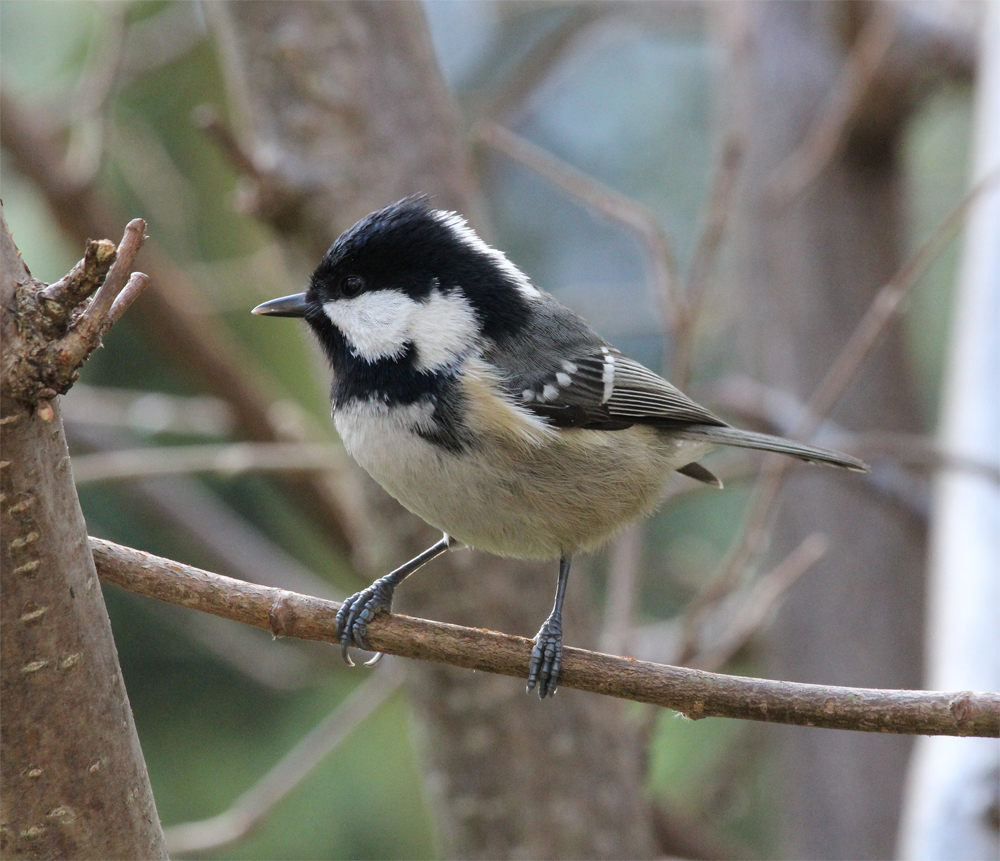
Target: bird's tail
766,442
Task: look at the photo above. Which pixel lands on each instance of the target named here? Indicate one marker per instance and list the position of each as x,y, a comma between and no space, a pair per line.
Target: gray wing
579,380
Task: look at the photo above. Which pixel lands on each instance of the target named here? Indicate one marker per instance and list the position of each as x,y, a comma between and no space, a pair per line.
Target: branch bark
695,693
74,783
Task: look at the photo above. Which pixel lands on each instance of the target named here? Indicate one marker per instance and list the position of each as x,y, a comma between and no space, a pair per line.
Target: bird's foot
358,611
546,658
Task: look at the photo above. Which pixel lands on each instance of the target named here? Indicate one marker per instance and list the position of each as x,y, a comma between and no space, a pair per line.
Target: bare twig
886,305
94,318
516,90
695,693
206,118
827,133
600,198
147,411
713,231
87,105
764,597
231,459
780,412
254,805
919,452
137,282
84,278
233,544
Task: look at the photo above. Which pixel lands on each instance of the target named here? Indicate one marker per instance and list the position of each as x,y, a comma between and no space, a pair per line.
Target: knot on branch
55,327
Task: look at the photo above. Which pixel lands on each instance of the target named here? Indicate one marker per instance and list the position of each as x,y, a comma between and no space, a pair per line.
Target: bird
491,410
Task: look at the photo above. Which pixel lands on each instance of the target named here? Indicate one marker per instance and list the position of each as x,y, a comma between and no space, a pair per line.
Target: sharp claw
354,616
373,661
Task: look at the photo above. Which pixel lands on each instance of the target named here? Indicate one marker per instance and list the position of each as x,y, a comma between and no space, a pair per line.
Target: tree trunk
953,793
804,276
347,113
74,783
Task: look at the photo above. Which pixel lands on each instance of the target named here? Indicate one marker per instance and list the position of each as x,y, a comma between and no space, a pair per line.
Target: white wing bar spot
608,375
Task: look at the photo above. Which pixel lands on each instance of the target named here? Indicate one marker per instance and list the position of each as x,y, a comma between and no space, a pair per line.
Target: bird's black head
403,296
408,254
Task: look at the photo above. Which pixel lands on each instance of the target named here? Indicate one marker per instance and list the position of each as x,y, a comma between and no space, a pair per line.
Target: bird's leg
362,607
546,656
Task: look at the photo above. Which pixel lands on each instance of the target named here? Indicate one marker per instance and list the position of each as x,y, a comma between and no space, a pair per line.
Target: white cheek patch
443,327
377,324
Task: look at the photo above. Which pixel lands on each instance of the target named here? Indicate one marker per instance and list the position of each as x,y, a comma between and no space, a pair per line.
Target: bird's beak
286,306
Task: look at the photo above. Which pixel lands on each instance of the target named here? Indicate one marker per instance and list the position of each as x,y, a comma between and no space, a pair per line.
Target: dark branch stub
54,331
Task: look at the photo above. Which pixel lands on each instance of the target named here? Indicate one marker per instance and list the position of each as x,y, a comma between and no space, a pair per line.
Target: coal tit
491,410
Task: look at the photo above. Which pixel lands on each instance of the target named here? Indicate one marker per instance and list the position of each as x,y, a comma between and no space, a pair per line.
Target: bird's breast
515,491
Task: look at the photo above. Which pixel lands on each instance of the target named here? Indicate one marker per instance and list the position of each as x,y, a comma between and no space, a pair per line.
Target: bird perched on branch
491,410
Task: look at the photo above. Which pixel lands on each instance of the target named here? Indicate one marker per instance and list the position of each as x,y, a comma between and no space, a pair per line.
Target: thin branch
826,135
137,282
188,509
128,464
206,117
887,304
695,693
732,623
614,205
713,231
780,412
763,598
254,805
87,105
94,318
539,62
84,278
147,411
920,452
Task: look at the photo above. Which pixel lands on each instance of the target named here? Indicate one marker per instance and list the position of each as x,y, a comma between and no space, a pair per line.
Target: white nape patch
608,375
563,379
550,392
444,328
377,324
460,227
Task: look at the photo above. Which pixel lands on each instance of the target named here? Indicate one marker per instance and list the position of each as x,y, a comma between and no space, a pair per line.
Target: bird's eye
352,285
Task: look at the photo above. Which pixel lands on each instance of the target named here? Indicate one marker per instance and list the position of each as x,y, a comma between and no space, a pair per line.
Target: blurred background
721,189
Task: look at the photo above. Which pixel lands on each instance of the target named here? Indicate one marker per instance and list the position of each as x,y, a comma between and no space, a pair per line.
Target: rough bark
805,274
74,783
346,113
